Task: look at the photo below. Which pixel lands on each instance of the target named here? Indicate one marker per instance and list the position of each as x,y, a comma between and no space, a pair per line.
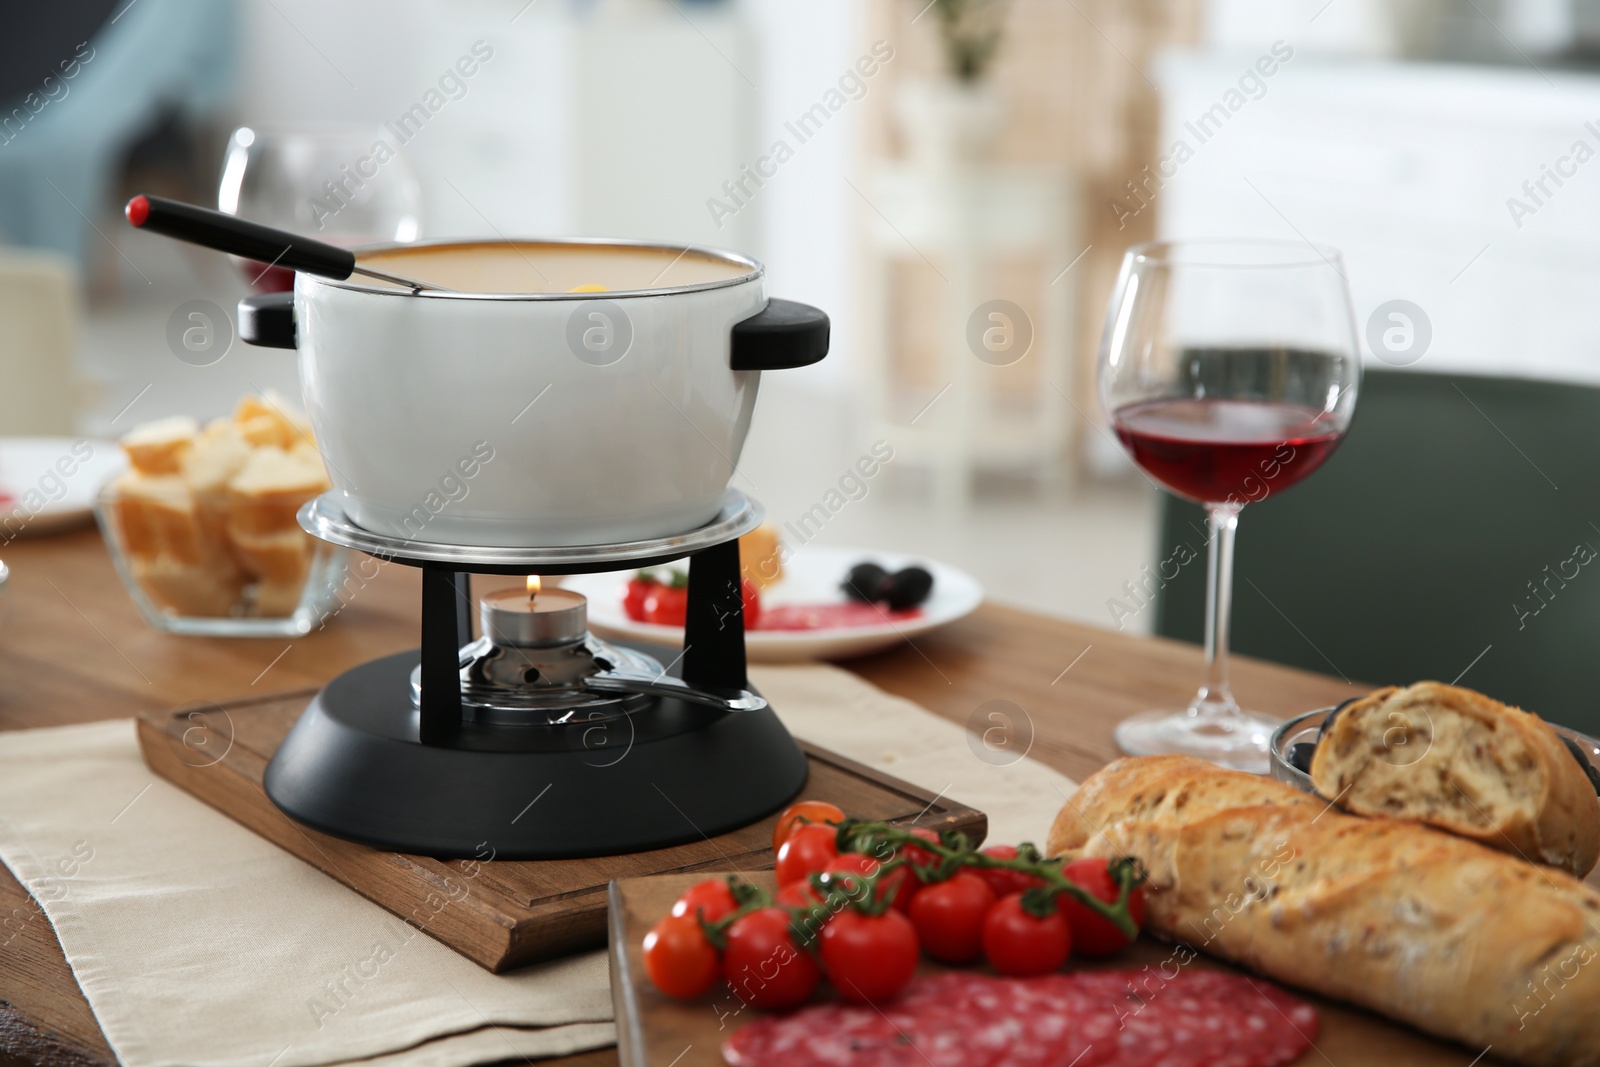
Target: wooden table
74,649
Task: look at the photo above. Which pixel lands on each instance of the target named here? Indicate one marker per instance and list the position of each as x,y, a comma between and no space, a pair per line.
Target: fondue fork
251,240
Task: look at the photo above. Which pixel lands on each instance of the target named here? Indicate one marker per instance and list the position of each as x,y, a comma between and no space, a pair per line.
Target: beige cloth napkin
197,942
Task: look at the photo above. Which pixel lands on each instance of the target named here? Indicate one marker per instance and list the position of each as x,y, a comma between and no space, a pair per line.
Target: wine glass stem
1215,698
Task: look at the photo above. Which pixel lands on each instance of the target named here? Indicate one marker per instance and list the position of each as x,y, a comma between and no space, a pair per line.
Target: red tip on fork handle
138,210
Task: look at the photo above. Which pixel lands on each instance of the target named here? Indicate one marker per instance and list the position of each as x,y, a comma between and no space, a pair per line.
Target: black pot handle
267,320
782,335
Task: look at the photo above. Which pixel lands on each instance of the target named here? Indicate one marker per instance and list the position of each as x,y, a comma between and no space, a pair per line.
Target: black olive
866,582
1327,724
1300,756
1583,761
908,588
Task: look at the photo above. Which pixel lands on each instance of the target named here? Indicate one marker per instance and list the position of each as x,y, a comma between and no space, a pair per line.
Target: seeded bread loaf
1457,760
1432,929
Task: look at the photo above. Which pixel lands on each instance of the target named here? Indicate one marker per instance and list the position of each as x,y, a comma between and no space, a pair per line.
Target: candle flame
533,586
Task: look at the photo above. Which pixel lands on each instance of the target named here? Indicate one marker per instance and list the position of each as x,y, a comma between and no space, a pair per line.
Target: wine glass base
1236,739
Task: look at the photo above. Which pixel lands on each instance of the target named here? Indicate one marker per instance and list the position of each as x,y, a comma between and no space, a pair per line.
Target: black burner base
354,766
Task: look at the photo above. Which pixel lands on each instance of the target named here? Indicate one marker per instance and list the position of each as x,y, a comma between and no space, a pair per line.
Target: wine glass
344,184
1229,371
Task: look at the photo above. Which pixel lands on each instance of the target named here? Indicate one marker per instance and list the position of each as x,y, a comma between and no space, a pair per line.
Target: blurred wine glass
344,184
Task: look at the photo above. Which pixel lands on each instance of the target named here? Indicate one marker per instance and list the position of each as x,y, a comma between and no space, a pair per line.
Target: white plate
53,482
812,576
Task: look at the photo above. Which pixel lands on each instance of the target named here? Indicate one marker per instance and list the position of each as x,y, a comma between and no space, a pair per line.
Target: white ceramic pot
516,413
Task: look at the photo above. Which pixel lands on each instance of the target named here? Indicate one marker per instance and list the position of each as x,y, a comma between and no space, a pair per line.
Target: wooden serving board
654,1030
504,913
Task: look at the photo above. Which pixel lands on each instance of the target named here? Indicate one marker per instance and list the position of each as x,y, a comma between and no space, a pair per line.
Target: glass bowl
1303,729
189,577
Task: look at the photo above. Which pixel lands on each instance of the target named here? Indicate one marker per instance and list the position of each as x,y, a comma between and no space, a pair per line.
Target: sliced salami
830,616
1085,1019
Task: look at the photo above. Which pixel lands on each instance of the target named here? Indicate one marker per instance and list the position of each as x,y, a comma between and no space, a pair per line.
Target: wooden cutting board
657,1031
500,914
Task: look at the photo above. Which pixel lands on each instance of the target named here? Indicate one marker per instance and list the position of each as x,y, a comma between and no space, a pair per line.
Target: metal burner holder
714,654
369,763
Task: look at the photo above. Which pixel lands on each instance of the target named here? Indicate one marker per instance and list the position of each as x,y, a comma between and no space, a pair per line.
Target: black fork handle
239,237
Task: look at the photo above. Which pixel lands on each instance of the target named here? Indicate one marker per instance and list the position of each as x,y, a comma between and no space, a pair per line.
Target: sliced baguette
277,600
204,513
219,453
156,515
159,447
1457,760
186,589
282,557
267,492
269,419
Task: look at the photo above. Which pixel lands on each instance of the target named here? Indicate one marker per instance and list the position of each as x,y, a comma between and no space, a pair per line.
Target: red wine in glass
1214,450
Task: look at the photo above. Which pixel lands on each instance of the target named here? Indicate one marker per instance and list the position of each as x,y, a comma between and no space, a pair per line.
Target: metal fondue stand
538,741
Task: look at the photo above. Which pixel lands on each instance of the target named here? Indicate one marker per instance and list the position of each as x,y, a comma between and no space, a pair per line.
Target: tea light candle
534,618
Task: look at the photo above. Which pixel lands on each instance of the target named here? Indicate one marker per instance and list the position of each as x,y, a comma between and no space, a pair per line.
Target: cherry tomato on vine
949,917
892,886
1093,935
1002,881
809,848
844,871
869,958
1017,943
798,895
637,591
766,969
710,900
905,886
807,811
667,605
678,958
917,854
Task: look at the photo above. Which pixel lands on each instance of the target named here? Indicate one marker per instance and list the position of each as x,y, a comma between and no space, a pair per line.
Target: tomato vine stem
952,852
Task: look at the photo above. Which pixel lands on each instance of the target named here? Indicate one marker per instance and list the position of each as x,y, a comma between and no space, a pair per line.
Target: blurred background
955,182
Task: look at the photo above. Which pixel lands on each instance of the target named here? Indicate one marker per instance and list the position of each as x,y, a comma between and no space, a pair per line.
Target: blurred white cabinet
963,222
664,102
1416,172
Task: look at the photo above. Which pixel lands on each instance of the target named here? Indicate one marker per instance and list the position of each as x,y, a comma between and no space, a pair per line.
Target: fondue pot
529,408
559,393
